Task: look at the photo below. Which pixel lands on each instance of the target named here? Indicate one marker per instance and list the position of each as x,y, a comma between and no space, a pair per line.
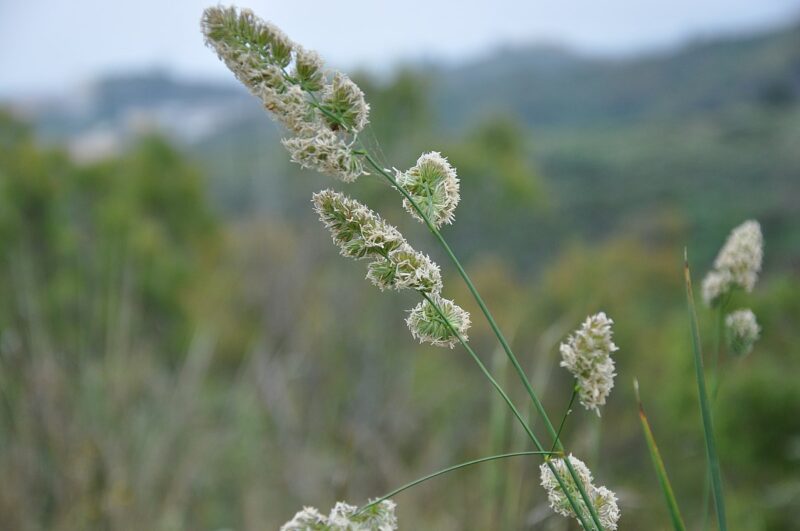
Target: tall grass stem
705,407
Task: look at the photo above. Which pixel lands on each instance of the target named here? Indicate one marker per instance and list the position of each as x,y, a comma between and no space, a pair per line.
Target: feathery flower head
603,500
742,254
605,503
324,114
241,39
427,325
325,152
587,355
741,331
358,231
737,264
405,268
344,517
433,185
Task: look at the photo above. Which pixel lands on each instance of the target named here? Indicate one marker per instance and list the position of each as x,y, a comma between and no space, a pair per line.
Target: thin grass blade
658,464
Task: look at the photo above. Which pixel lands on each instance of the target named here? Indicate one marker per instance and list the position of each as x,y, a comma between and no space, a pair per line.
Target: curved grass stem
566,414
496,330
515,411
445,471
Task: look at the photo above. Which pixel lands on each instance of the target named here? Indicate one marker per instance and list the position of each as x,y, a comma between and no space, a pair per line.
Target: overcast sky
46,45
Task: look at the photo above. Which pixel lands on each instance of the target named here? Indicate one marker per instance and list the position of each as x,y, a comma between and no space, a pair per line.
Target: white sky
46,45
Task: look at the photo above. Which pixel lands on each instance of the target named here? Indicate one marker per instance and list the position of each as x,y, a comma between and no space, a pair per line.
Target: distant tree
116,247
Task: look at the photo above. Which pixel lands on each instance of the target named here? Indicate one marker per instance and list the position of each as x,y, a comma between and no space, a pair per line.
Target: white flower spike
737,264
587,355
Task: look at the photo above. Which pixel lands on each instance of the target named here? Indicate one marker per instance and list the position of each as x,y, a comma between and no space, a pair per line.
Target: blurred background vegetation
181,347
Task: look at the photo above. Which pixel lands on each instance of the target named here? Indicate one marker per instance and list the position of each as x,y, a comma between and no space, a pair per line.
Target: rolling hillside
706,134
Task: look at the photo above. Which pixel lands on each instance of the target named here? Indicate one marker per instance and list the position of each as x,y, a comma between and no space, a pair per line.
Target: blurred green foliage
81,243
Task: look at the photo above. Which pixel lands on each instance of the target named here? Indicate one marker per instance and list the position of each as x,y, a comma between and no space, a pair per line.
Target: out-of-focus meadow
181,347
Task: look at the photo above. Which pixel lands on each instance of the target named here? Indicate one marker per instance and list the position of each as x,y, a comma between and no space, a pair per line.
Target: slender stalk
720,325
492,323
705,408
706,500
445,471
716,383
566,414
495,482
490,319
514,410
715,377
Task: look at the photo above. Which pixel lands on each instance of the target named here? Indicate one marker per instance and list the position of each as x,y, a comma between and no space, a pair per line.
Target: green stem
566,414
705,408
714,389
514,410
715,373
490,319
716,382
445,471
